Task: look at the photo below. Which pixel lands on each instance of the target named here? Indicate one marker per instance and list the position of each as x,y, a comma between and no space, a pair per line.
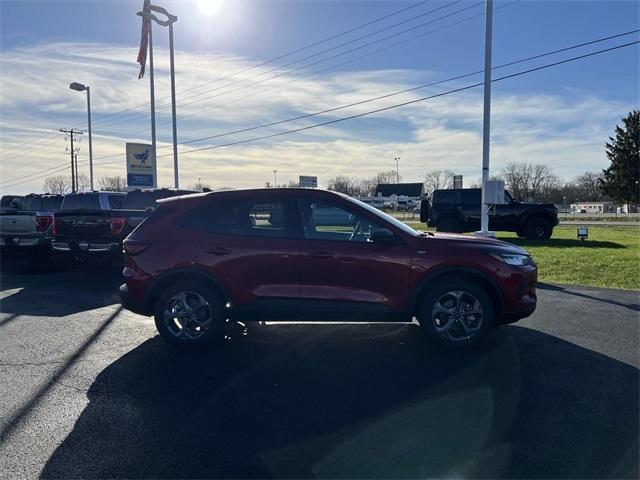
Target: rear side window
445,197
115,201
471,197
51,204
243,217
33,203
80,202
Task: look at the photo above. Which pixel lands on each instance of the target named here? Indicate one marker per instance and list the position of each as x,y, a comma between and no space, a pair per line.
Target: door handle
218,251
320,255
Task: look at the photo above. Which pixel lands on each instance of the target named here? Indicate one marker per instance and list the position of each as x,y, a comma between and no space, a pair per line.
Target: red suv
303,254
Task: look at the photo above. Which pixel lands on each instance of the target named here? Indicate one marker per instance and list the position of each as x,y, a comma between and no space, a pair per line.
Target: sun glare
209,7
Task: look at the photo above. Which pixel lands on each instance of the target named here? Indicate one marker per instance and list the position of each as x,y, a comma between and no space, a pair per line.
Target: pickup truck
458,211
29,229
91,226
11,202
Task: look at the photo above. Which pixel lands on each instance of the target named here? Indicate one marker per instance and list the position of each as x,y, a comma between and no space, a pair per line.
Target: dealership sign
141,166
308,182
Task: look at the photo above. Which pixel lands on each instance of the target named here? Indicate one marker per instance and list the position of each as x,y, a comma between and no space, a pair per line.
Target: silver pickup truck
29,229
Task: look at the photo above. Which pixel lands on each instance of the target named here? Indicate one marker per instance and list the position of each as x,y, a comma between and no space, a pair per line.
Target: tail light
117,225
132,247
43,222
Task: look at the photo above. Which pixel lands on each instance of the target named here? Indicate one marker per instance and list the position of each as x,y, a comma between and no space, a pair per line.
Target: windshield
379,213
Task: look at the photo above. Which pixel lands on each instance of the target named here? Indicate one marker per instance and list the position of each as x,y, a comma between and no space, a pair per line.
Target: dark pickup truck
458,211
92,225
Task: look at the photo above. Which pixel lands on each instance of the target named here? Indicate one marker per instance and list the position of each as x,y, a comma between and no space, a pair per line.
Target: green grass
609,258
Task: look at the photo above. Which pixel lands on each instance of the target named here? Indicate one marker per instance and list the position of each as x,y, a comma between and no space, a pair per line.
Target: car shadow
357,401
57,289
568,290
562,243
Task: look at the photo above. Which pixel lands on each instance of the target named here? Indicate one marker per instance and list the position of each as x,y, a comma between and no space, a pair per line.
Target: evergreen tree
620,180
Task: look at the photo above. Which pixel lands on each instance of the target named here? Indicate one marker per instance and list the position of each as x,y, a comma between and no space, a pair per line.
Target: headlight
515,259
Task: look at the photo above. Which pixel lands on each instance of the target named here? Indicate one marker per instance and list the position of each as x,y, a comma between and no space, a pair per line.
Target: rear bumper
86,247
24,241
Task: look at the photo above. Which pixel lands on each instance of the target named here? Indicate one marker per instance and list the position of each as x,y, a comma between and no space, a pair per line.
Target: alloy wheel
457,315
188,315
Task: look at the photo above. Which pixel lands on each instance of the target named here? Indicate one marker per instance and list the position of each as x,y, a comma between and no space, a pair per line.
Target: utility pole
275,178
74,158
397,159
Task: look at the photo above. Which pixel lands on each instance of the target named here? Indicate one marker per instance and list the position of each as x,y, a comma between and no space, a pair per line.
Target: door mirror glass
382,235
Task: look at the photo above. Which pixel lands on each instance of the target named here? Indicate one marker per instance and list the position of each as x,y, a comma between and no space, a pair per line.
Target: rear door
248,244
343,274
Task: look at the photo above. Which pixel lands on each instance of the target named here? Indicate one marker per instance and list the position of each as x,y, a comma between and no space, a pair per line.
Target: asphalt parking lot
89,390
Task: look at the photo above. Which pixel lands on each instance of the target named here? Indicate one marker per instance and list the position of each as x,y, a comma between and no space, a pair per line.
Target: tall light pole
486,127
78,87
397,159
275,178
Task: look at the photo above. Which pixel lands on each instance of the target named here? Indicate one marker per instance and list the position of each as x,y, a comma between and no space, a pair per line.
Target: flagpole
173,108
153,107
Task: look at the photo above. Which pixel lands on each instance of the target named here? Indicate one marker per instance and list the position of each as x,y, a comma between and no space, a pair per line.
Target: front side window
323,220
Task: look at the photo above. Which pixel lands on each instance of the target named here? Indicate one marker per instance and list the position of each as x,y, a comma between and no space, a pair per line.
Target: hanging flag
144,38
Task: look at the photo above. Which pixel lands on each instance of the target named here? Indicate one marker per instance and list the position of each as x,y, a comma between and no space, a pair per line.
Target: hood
459,240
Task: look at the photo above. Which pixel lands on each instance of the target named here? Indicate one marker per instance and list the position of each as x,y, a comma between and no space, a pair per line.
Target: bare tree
83,185
588,187
58,184
390,176
343,184
113,184
438,180
530,182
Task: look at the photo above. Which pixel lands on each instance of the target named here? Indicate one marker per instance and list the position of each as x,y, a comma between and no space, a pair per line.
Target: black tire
451,225
538,228
187,336
457,336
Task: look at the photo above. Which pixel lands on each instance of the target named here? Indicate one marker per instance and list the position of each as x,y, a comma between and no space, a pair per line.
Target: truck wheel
39,255
189,315
449,225
538,229
457,314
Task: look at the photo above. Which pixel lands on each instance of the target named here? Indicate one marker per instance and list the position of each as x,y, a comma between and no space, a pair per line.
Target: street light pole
153,105
78,87
486,128
397,159
90,140
275,178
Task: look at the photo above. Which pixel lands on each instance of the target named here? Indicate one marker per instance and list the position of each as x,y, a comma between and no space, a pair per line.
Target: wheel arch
183,274
459,272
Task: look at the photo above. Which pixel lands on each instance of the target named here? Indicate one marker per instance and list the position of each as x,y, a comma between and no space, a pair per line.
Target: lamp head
77,87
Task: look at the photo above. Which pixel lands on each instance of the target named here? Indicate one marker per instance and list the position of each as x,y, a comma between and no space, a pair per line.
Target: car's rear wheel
457,314
538,229
449,225
190,315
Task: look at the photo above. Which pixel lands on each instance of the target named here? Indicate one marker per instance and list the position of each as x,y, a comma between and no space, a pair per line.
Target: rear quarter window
471,197
445,197
51,204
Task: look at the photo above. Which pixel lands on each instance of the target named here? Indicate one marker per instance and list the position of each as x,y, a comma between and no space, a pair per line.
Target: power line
523,72
292,52
238,85
408,90
410,102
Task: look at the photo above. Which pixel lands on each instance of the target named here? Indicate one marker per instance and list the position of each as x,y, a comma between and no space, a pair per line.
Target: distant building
411,190
593,207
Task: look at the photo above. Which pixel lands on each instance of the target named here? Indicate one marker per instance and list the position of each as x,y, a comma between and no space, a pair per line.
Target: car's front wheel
190,315
457,314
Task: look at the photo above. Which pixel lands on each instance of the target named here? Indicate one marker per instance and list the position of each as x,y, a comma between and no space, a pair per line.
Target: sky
257,62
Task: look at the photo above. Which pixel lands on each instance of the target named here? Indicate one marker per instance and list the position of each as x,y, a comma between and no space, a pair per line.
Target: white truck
29,230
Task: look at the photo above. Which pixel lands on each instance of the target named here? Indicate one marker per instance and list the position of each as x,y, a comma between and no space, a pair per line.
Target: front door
343,274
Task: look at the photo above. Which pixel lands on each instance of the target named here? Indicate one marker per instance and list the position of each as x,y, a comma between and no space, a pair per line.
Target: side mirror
382,235
425,210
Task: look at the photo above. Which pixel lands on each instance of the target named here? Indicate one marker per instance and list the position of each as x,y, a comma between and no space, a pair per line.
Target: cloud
565,132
